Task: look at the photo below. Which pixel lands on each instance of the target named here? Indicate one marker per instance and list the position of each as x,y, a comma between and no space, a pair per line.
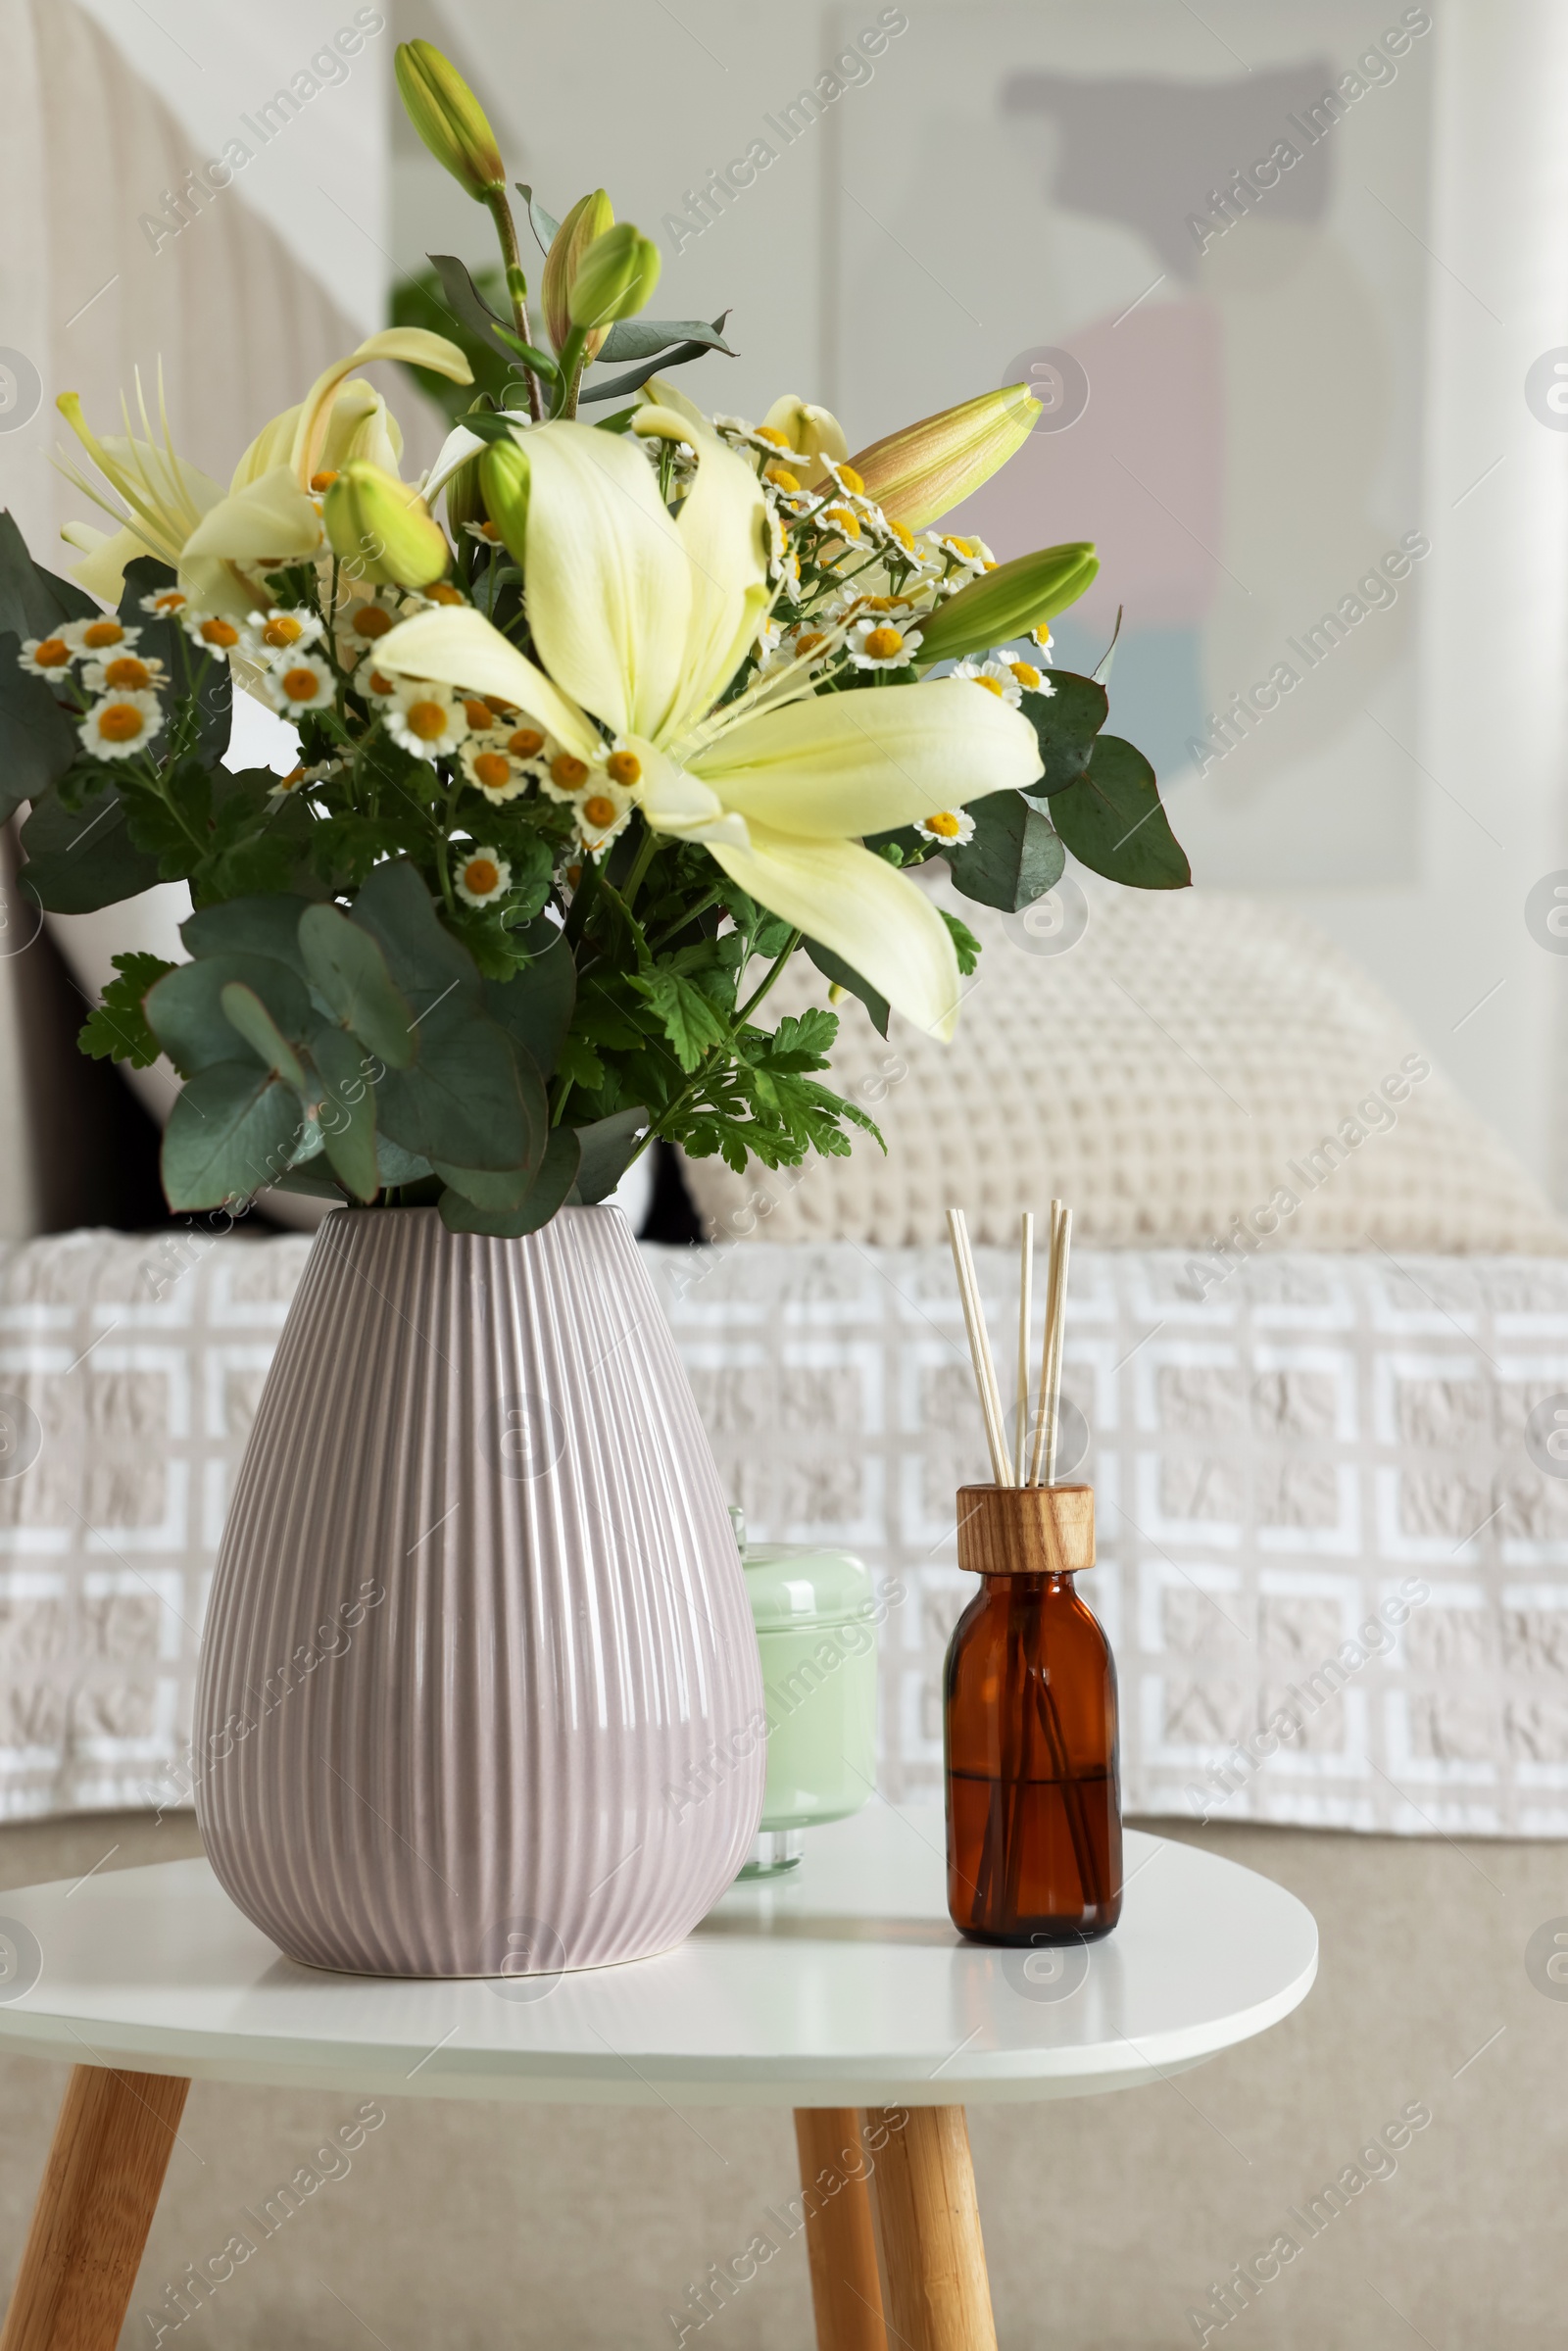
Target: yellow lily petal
107,553
415,344
270,516
814,432
856,904
674,801
851,764
361,426
723,531
609,579
459,647
659,392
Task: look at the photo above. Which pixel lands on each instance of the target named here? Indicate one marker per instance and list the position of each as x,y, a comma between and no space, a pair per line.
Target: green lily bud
1002,604
382,531
614,278
449,118
925,470
504,483
589,218
464,499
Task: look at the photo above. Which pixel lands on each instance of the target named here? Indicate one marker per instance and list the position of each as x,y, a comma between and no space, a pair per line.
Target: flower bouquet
654,710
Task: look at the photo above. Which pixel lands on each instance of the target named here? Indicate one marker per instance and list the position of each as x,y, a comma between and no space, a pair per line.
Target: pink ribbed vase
479,1689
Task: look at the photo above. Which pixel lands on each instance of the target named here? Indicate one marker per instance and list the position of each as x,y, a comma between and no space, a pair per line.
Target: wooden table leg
938,2296
111,2149
840,2241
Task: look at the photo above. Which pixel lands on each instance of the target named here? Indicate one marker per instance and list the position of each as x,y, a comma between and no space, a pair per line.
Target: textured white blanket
1334,1570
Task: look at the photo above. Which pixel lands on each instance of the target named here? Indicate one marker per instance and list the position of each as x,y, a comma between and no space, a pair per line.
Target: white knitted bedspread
1321,1435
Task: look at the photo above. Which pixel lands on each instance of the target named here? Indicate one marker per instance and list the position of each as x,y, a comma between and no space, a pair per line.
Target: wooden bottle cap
1026,1529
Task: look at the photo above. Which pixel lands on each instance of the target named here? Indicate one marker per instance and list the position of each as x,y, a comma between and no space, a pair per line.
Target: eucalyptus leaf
232,1129
635,379
185,1008
1066,722
535,1007
81,858
609,1146
253,927
1112,820
37,741
349,972
32,601
1012,860
640,338
396,1166
545,226
245,1012
462,296
428,966
554,1180
834,968
498,1189
347,1112
463,1101
314,1182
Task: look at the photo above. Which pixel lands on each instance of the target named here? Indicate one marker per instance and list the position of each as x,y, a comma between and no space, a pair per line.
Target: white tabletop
844,1983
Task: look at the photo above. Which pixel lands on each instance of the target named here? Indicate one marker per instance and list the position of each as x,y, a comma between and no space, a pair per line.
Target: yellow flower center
444,593
127,675
489,530
499,709
370,620
946,824
102,633
481,875
781,477
218,632
883,643
624,768
850,479
771,434
597,810
53,653
808,644
323,480
903,533
426,720
286,783
991,685
380,683
121,722
477,713
566,772
301,684
169,600
844,520
1026,674
526,744
282,629
493,769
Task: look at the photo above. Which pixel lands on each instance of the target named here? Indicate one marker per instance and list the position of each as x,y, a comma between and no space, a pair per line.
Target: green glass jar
815,1616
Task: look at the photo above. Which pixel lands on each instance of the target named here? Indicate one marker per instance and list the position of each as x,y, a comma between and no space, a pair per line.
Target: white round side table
841,1991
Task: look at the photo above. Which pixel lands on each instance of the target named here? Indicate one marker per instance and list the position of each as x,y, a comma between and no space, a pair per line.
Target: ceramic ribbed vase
479,1686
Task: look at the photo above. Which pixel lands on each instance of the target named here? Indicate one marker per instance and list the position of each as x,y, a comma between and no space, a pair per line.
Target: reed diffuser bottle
1034,1810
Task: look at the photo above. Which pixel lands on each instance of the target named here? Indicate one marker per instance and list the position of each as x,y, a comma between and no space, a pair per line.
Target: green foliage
426,299
1112,820
1065,723
965,945
1013,858
117,1030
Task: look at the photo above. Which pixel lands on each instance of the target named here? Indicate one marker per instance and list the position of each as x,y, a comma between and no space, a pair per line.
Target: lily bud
614,278
504,483
917,474
381,530
1004,603
814,432
589,218
449,118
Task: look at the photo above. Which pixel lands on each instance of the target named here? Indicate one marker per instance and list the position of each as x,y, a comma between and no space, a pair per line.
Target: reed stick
1026,1267
1051,1401
985,1370
1037,1456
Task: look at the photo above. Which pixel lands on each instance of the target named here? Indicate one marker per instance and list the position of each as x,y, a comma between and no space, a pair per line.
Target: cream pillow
1195,1065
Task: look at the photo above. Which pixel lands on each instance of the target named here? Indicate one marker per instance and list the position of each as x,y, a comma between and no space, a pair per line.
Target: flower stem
517,283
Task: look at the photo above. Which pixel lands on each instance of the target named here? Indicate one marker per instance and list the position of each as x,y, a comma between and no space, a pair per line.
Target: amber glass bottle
1034,1800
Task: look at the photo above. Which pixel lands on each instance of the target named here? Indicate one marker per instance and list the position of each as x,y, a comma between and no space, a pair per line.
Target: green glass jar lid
793,1585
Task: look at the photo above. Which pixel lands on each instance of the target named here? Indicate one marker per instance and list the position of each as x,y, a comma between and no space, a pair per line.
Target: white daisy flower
563,776
811,643
299,682
767,639
376,685
900,540
483,876
120,725
486,532
604,809
440,591
995,678
211,631
972,554
840,518
426,720
950,828
46,657
95,640
126,673
492,770
271,636
288,785
1044,639
362,623
1030,676
164,603
879,642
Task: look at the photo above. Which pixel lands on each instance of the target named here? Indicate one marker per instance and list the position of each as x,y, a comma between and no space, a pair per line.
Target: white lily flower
642,620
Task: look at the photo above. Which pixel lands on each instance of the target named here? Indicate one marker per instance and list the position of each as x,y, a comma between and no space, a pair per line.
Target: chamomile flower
767,639
440,591
995,676
272,636
841,519
1043,638
426,720
948,828
483,876
487,532
126,673
603,809
46,657
493,770
1030,676
805,644
878,643
120,725
525,741
211,631
482,719
288,785
95,640
362,623
972,554
164,603
299,682
563,776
